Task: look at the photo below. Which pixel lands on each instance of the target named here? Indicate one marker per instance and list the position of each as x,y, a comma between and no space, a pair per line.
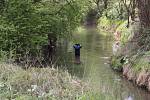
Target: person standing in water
77,48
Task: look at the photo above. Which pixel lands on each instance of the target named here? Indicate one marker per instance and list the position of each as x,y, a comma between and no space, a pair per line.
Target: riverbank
39,83
44,84
128,58
109,25
135,69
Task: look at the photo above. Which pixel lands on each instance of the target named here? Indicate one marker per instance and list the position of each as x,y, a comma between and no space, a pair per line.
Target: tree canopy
27,24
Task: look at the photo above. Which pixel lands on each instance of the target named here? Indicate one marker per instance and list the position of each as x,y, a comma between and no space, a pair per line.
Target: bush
116,63
125,32
27,25
109,24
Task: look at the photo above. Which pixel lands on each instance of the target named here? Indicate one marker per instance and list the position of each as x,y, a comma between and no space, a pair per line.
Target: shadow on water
96,49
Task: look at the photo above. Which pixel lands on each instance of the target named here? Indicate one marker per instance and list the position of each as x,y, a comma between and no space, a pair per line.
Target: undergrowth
38,83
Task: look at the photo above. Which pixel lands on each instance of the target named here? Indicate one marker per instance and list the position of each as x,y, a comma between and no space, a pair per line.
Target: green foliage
109,24
125,32
113,16
25,24
2,5
116,63
18,27
141,62
116,11
118,26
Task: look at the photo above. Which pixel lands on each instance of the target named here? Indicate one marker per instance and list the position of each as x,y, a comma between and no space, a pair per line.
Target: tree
27,25
144,12
130,6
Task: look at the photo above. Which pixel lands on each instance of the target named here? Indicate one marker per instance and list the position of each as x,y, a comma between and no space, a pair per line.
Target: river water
95,51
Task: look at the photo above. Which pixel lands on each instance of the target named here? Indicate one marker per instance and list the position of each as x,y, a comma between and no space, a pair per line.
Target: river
95,51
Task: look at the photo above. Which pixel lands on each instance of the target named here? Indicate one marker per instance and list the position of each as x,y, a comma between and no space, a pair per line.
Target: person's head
77,44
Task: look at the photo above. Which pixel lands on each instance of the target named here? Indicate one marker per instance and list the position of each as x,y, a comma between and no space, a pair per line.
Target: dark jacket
77,49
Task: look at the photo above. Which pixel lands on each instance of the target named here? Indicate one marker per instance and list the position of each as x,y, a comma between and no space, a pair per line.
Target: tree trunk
144,12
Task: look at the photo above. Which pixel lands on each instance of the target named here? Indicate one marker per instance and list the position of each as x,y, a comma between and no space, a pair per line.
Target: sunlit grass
38,83
142,62
44,84
96,96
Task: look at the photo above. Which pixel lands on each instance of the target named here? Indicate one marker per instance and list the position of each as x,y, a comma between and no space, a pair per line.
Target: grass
44,84
108,24
142,62
116,63
96,96
138,62
38,83
125,32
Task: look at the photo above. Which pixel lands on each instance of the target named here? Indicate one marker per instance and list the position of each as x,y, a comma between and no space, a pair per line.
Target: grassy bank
135,68
38,83
131,59
44,84
109,25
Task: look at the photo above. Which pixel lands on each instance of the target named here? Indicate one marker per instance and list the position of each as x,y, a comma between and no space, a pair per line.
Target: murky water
96,48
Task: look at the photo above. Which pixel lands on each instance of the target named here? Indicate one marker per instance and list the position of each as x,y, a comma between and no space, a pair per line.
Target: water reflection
94,57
